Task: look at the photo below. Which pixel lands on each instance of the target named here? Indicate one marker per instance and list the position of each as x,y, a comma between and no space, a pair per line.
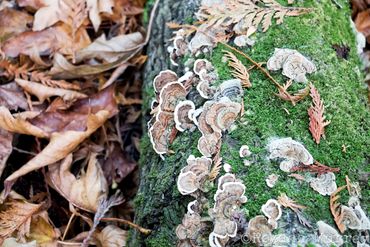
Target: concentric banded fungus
163,78
202,39
228,198
259,231
205,90
328,235
272,210
183,115
324,183
365,222
209,144
271,180
291,151
170,95
244,151
193,176
190,229
231,89
294,65
222,114
202,65
349,218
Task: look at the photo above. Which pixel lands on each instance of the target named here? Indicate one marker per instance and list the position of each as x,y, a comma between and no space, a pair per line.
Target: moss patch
340,83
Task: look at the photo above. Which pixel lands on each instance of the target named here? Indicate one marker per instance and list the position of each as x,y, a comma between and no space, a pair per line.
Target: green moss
340,85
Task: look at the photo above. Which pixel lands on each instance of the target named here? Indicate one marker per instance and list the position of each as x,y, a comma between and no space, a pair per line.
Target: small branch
126,222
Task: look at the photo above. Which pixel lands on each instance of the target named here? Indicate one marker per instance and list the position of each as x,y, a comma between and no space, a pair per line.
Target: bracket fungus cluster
328,235
290,151
228,198
295,66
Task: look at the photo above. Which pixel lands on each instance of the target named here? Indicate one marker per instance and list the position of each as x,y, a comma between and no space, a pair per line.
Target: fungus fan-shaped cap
205,90
272,210
271,180
349,218
222,114
244,151
296,66
158,134
232,89
277,60
259,230
202,65
324,184
209,144
182,115
163,78
328,235
187,183
291,151
170,95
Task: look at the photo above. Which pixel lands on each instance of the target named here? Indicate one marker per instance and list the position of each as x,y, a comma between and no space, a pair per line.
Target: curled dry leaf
60,145
42,231
110,50
112,236
15,213
44,92
316,115
19,123
83,192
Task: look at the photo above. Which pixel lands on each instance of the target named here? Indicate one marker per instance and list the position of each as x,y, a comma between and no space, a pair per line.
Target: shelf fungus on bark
259,231
179,48
324,184
228,198
193,176
171,93
232,89
295,66
207,75
163,78
190,229
272,210
291,151
328,235
349,218
183,115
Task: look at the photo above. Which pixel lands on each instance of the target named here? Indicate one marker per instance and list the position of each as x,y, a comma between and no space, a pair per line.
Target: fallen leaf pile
70,99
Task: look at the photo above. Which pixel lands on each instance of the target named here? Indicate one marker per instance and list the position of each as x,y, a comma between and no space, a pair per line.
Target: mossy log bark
160,207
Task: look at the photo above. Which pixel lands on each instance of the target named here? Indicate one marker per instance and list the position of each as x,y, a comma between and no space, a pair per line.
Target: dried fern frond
12,71
15,214
246,13
238,69
335,208
295,98
287,202
316,115
46,80
216,167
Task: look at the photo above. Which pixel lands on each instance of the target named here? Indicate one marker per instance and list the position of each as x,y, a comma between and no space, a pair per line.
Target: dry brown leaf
110,50
44,92
42,231
15,213
238,69
19,123
335,208
13,22
12,97
83,192
45,42
95,7
316,115
6,139
60,145
112,236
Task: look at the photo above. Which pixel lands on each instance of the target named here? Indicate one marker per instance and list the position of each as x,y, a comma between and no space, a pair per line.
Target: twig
127,222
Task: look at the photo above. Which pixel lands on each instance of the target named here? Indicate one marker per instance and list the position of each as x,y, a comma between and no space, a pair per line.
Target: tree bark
160,207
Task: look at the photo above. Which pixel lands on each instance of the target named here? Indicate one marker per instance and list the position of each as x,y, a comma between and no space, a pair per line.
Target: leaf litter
70,106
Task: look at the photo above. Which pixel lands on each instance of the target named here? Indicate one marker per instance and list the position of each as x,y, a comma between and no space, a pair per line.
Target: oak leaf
42,231
83,192
316,115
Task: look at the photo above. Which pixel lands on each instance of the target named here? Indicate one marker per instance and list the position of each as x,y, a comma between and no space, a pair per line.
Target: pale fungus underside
267,117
